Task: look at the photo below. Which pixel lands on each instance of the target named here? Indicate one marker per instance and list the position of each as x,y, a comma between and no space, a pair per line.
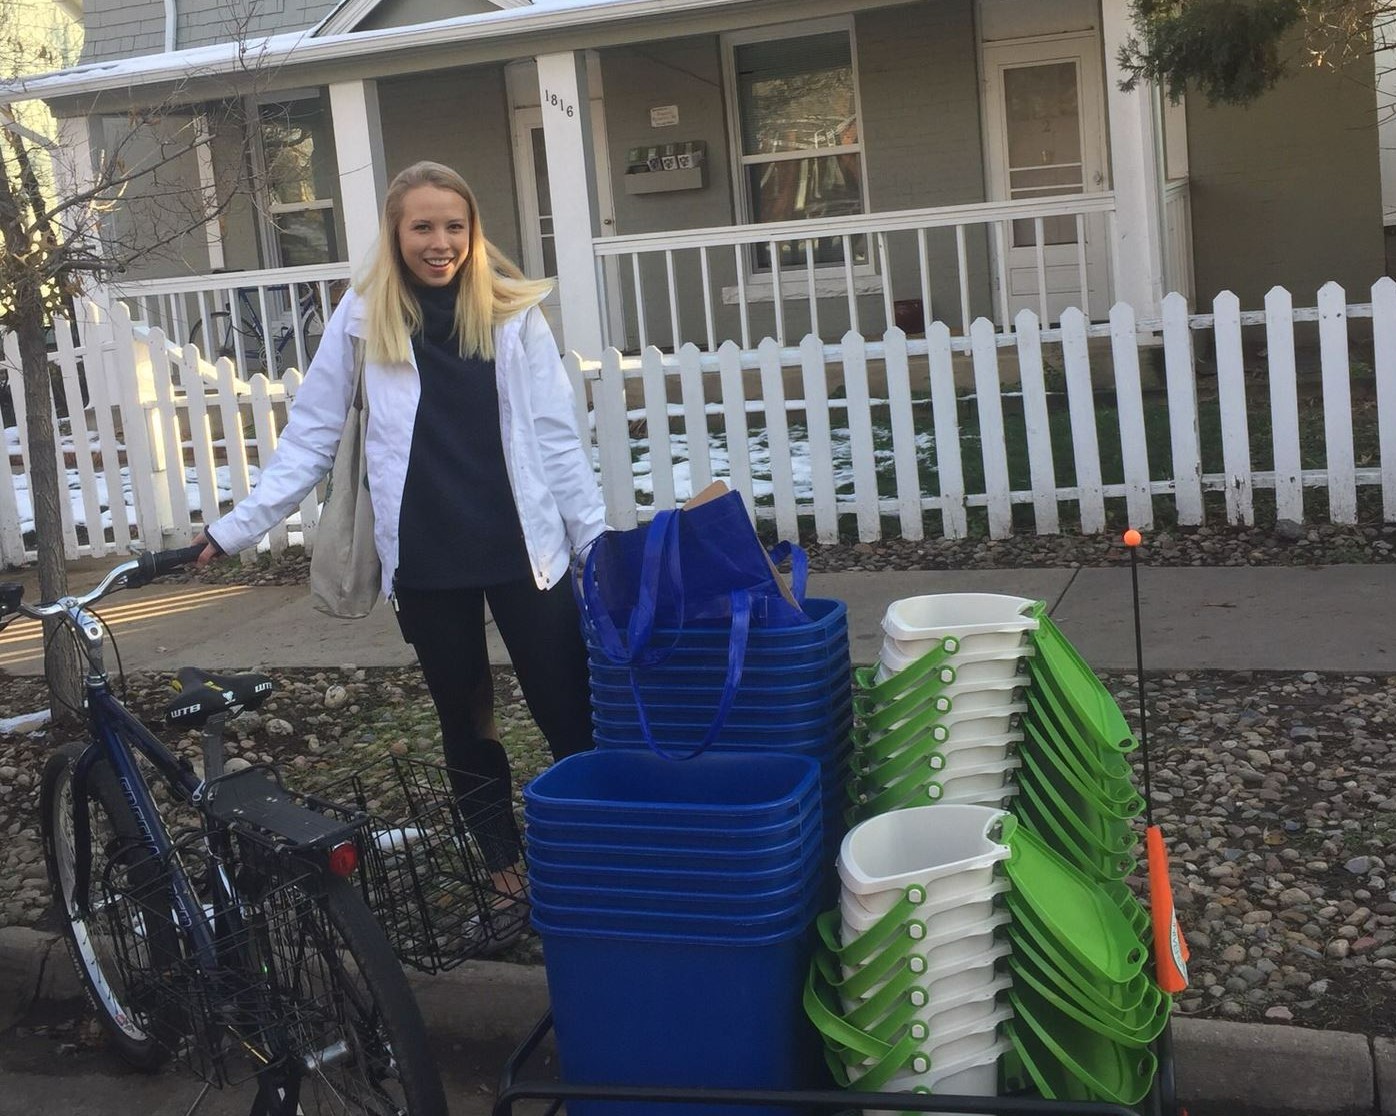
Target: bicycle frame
114,730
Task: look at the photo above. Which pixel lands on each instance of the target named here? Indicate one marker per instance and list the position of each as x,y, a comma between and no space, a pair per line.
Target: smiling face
433,235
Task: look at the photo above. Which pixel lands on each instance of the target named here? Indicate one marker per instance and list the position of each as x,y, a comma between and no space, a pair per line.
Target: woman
481,490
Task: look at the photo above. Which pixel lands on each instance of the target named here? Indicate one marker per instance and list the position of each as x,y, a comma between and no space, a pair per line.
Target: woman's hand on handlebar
211,550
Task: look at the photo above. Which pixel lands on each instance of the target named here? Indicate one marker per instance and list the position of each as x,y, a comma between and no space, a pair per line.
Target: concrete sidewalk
1335,618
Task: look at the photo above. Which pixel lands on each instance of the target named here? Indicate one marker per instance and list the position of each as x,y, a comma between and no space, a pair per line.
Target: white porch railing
263,320
875,433
789,278
1177,238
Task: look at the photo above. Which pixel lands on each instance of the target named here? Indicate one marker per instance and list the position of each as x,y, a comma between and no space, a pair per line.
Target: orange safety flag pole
1170,948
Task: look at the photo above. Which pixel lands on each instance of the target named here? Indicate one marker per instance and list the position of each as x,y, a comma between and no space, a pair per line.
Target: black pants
540,628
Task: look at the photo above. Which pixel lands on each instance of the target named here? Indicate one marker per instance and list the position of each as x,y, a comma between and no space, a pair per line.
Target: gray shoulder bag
345,573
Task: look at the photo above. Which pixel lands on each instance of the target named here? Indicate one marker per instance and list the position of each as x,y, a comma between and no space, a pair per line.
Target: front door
1046,139
536,206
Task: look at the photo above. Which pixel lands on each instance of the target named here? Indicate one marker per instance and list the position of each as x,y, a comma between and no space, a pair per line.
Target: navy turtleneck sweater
459,527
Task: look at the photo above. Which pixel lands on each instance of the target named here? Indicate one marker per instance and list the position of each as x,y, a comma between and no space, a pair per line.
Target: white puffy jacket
554,487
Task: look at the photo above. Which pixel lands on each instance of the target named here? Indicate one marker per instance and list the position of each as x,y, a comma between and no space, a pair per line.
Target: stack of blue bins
674,902
795,697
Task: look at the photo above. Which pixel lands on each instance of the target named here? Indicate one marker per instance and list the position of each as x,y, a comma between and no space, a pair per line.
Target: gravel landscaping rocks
1277,793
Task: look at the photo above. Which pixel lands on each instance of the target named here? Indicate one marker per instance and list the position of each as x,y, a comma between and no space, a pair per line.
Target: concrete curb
1221,1067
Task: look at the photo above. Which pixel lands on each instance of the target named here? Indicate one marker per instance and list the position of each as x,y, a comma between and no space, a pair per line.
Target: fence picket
264,426
1384,360
656,391
200,434
950,471
1041,468
291,381
858,415
1231,392
1337,403
613,440
1129,400
778,439
821,450
581,403
166,420
82,438
902,421
734,418
695,421
65,506
135,431
12,552
98,344
1284,405
1183,437
988,401
1080,402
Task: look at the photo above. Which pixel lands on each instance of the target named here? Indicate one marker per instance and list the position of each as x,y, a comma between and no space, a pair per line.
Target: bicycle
245,338
235,944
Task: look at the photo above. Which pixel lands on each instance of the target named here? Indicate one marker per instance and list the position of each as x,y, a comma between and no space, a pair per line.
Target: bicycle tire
220,322
347,1022
92,945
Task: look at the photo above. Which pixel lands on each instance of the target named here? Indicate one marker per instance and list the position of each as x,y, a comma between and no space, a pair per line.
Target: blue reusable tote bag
700,567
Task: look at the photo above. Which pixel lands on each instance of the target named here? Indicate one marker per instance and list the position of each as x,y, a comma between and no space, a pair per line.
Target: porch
891,165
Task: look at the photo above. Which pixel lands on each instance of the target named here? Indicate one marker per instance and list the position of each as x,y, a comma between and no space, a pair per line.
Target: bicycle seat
201,695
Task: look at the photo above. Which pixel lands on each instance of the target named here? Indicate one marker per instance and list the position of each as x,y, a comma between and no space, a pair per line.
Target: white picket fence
191,434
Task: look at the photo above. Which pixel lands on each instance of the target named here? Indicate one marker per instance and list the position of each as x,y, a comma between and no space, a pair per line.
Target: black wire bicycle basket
439,862
261,992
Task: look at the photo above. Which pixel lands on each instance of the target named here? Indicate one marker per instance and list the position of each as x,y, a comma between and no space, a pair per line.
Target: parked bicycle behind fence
240,333
235,941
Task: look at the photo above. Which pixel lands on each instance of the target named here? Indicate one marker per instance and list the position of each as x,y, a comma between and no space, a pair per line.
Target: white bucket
949,980
967,1043
976,1076
877,903
981,621
926,845
991,666
955,947
990,782
968,915
984,697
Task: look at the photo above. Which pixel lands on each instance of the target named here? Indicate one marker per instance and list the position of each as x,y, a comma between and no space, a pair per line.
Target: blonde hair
492,289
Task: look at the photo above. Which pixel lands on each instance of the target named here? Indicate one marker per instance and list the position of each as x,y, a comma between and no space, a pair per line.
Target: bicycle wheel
223,343
346,1036
120,938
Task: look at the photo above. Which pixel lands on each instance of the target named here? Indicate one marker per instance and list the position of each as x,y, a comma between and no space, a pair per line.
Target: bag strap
736,657
799,566
661,552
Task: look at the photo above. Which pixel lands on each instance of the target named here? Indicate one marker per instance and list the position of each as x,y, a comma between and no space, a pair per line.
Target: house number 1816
558,103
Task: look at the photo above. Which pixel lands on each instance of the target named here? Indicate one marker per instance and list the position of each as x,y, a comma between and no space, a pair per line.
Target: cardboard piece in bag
719,488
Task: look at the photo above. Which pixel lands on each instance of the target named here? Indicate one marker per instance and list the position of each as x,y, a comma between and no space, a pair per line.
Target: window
801,151
298,156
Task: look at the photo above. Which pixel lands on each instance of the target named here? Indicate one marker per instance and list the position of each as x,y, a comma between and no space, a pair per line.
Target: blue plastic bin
677,837
648,857
629,787
681,1011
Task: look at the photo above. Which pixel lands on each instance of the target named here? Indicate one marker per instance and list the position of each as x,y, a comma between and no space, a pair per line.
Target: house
706,170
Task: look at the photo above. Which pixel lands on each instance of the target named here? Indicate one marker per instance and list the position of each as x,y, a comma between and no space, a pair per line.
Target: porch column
1135,173
358,145
564,94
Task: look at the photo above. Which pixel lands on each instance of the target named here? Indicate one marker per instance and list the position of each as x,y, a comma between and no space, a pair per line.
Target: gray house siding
460,118
127,28
404,13
919,79
919,96
1288,191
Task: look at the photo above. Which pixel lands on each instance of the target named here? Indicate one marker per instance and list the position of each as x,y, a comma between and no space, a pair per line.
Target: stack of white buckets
914,952
936,717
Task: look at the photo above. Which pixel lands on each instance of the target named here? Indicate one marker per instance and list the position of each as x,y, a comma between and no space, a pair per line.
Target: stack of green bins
1085,1008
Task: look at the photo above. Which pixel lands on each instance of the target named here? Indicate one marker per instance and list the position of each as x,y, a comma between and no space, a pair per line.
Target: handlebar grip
157,563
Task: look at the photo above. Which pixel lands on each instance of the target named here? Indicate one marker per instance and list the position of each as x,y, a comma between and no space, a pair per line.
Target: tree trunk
47,490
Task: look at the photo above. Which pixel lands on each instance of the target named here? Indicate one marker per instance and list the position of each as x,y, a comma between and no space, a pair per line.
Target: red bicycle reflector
344,858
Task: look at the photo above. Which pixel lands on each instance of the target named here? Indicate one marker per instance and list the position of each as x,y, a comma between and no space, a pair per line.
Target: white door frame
1083,49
